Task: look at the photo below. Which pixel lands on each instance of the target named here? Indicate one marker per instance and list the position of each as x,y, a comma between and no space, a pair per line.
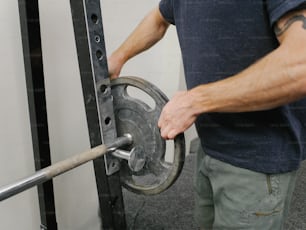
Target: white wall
16,154
75,192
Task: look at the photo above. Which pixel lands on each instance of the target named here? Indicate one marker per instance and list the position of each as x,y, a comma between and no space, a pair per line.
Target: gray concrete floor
173,209
297,214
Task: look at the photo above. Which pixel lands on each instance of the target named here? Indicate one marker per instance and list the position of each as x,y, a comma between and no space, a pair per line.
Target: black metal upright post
89,36
33,64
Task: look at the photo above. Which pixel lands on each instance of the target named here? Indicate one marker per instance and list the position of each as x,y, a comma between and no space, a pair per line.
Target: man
245,69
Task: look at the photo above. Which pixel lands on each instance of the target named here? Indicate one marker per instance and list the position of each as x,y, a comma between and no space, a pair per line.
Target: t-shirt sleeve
166,9
277,8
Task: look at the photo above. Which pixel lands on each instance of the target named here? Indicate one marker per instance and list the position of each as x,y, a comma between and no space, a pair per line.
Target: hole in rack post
107,120
99,54
94,18
103,89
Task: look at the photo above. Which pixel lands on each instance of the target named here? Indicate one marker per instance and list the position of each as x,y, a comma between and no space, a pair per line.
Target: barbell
140,148
60,167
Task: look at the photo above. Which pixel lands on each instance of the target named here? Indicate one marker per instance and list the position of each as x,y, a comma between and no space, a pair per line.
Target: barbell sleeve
61,167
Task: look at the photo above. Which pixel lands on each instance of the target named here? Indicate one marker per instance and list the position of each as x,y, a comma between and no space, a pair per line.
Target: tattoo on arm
279,31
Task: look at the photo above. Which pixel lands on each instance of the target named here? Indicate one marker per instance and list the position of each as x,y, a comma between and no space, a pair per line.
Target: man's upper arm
292,26
285,15
167,11
160,18
290,30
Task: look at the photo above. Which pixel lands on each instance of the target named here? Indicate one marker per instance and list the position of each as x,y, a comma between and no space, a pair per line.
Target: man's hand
177,115
114,66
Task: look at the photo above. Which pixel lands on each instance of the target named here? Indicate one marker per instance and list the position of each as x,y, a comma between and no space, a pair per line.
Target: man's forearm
267,84
277,79
151,29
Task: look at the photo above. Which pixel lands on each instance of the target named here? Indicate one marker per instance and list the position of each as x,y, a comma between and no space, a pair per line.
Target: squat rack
89,38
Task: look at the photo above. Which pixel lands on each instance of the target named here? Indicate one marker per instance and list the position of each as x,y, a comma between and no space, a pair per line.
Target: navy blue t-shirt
219,38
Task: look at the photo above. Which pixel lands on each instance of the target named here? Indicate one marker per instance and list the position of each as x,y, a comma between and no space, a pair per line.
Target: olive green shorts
228,197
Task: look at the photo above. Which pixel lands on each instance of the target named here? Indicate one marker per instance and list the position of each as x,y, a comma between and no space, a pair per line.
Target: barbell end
22,185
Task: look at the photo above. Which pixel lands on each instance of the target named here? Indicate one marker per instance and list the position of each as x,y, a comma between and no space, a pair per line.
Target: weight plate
135,116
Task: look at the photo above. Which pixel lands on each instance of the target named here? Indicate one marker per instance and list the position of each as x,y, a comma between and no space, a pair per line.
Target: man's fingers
166,130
